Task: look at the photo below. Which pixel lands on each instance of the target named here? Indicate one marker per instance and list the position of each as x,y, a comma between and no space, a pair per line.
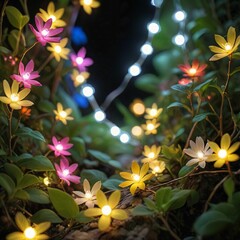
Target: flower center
14,97
65,172
156,169
46,181
222,153
63,114
135,177
153,112
200,154
45,32
26,76
192,71
79,60
87,2
53,18
228,46
57,49
29,233
106,210
151,155
59,147
88,195
150,126
80,78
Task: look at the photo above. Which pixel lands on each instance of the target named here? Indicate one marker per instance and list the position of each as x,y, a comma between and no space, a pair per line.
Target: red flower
196,70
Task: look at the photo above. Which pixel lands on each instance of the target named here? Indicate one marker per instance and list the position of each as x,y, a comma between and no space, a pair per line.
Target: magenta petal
51,147
73,167
65,140
39,23
68,183
48,24
21,68
52,39
74,179
29,67
88,62
33,82
16,77
26,85
57,167
64,162
82,52
65,153
53,32
68,145
54,140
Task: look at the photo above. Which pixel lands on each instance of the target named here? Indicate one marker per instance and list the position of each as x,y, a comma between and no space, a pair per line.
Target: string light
99,115
124,138
153,27
88,90
134,70
147,49
179,39
179,16
115,131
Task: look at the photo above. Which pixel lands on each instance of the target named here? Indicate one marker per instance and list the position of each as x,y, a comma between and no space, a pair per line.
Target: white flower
199,152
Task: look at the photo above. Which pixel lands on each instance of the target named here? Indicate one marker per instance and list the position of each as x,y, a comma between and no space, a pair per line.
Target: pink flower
44,33
184,81
26,75
64,171
60,147
196,70
80,61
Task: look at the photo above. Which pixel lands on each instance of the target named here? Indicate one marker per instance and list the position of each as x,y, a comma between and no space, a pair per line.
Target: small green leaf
14,16
45,215
178,104
93,175
45,106
81,218
37,196
115,164
150,204
112,184
100,156
163,196
63,203
181,88
13,171
185,170
28,132
28,180
7,183
141,210
21,194
203,86
201,116
229,187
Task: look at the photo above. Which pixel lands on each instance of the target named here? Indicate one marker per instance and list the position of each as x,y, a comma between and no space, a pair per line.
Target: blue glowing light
78,36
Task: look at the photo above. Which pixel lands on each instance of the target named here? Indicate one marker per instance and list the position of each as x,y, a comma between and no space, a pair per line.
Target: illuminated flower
198,152
79,78
107,209
89,4
60,147
184,81
27,75
63,115
44,33
196,70
224,153
15,98
153,112
64,171
55,16
89,196
150,153
25,112
226,47
137,178
80,61
58,49
27,231
157,166
151,126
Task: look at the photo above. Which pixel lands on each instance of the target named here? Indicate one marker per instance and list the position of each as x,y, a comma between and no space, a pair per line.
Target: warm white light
106,210
156,169
63,114
192,71
228,46
124,138
65,172
135,177
29,233
88,91
53,18
150,126
222,153
45,32
134,70
99,115
156,3
88,195
137,131
115,131
59,147
179,39
46,181
26,76
80,78
147,49
179,16
153,27
57,49
14,97
151,155
79,60
87,2
153,112
200,154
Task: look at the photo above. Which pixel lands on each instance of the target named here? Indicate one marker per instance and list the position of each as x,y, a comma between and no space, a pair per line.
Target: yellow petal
58,14
15,106
25,103
135,167
92,212
147,177
212,158
218,56
114,199
144,170
231,35
42,227
41,237
220,41
232,157
141,185
16,236
21,221
86,185
133,188
119,214
101,199
217,49
214,146
22,94
95,4
5,100
6,88
219,163
51,7
225,141
233,148
125,184
126,175
104,222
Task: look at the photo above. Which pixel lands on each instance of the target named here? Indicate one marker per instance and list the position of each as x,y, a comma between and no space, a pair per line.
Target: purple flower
26,75
60,147
80,61
64,171
44,33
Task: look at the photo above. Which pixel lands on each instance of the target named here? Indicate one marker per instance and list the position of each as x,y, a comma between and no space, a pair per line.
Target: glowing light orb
14,97
147,49
135,177
59,147
63,114
79,60
65,172
57,49
137,131
115,131
228,46
153,27
179,16
88,195
46,181
134,70
44,32
29,233
200,154
53,18
179,39
150,126
99,115
124,138
106,210
222,153
88,91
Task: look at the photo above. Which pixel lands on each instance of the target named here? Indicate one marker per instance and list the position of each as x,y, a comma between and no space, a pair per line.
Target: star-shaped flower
224,153
80,61
89,195
54,15
107,209
60,147
153,112
89,4
27,230
194,70
150,153
151,126
225,47
79,78
13,97
44,33
137,178
27,75
64,171
199,152
157,166
63,115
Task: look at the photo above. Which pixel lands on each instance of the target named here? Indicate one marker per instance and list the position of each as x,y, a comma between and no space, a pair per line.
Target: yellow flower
56,21
89,196
79,78
58,49
89,4
107,209
157,166
136,178
63,115
28,231
153,112
150,153
224,153
225,48
151,126
15,98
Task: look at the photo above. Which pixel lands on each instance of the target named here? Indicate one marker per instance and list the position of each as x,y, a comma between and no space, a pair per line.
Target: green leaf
112,184
226,208
13,171
185,170
81,218
150,204
115,164
7,183
37,163
178,104
171,152
13,38
14,16
24,20
203,86
63,203
28,180
181,88
4,50
93,175
79,145
45,215
229,187
100,156
21,194
163,196
37,196
28,132
45,106
141,210
201,116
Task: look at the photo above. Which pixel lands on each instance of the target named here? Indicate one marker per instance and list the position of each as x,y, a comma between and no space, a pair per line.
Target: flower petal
114,199
104,222
214,146
126,175
86,185
96,187
125,184
231,36
232,157
133,188
101,199
119,214
144,170
42,227
92,212
234,147
219,163
220,40
6,88
21,221
16,235
225,141
135,167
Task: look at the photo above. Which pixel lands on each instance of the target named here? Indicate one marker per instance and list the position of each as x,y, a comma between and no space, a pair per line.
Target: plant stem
10,131
50,57
1,19
28,49
190,134
17,43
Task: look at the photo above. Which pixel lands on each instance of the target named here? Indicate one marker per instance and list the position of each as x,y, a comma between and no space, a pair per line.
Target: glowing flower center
222,153
200,154
88,2
59,147
88,195
57,49
228,46
45,32
106,210
79,60
151,155
53,18
80,78
65,172
29,233
46,181
150,126
63,114
14,97
192,71
156,169
153,112
26,76
135,177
